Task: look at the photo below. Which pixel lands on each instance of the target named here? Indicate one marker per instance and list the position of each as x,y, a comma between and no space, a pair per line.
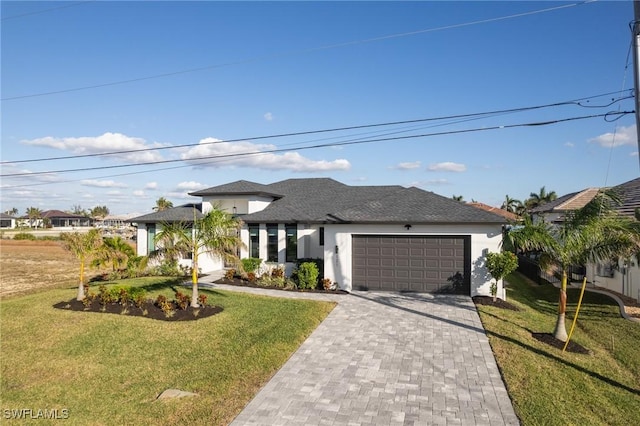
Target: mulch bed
498,303
244,283
148,310
549,339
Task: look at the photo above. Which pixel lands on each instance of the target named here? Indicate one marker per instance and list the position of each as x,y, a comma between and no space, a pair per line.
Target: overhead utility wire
296,52
37,12
451,132
577,102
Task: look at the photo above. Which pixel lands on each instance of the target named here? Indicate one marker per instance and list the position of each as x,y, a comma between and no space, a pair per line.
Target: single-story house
7,221
621,275
511,217
55,219
368,237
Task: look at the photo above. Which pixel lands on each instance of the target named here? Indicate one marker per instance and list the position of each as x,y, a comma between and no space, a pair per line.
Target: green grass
549,387
108,369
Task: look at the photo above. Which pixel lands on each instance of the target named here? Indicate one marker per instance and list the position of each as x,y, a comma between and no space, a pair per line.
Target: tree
162,204
77,209
499,266
591,234
99,212
12,212
511,205
115,252
540,198
83,245
458,198
34,215
217,234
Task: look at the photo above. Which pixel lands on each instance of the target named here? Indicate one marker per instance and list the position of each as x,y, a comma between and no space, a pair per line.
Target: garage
411,263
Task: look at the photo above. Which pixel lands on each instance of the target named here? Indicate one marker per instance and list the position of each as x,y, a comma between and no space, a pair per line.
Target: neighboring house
554,211
55,219
368,237
511,217
622,275
7,221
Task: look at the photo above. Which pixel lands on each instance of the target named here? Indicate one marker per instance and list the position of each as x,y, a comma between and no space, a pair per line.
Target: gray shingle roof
629,193
240,187
182,213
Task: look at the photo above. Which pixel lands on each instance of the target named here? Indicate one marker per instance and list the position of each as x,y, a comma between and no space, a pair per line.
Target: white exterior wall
338,250
243,205
625,280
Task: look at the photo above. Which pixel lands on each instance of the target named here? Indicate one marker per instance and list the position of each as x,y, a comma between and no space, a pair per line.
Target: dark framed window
291,242
321,232
272,242
254,240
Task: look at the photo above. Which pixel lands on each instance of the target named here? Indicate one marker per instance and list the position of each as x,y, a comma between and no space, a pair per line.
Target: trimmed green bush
251,264
308,276
24,236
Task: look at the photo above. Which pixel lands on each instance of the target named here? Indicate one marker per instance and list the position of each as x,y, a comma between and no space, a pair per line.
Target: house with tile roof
511,217
555,211
55,219
368,237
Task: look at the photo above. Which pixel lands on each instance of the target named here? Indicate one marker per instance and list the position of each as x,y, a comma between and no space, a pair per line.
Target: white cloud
268,116
569,144
247,154
108,142
139,193
114,193
407,166
622,136
151,185
634,154
447,166
191,186
102,183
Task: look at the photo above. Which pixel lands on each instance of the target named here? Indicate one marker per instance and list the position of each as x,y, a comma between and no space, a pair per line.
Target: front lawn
549,387
109,368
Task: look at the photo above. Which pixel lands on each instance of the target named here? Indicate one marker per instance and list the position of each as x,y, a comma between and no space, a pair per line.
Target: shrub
251,264
308,275
251,277
24,236
169,268
318,262
230,274
326,284
139,299
182,300
163,303
202,299
124,296
277,272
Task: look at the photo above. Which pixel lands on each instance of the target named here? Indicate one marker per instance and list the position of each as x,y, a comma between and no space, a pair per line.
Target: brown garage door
411,263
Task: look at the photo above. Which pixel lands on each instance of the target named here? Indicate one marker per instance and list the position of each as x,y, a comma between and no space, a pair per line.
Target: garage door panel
412,263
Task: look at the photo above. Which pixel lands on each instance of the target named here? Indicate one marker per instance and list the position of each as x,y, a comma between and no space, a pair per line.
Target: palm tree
216,234
162,204
83,245
114,251
458,198
12,212
511,204
34,214
99,212
591,234
540,198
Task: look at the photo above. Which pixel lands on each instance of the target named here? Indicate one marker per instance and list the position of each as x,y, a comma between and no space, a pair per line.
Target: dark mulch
498,303
549,339
148,310
244,283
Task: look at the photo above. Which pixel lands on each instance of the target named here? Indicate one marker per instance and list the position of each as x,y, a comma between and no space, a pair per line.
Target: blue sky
207,78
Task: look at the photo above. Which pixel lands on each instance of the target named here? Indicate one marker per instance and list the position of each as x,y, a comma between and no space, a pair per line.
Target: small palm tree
540,198
511,204
459,198
591,234
114,251
83,245
162,204
99,212
216,234
34,213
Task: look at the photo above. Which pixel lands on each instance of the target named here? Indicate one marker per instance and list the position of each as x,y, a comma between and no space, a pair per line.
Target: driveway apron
383,358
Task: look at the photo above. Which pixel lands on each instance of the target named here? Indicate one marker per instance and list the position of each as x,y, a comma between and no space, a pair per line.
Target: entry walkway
386,359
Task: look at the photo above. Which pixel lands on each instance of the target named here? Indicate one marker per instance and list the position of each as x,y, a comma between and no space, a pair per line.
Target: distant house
367,237
511,217
7,221
56,219
555,211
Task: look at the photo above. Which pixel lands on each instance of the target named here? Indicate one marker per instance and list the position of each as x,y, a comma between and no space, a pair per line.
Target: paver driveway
386,358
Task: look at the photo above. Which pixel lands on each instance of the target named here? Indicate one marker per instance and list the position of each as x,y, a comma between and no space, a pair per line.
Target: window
322,235
291,242
151,237
272,242
254,241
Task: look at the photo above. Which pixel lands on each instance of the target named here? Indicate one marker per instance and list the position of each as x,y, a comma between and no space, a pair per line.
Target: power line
332,144
297,52
37,12
578,102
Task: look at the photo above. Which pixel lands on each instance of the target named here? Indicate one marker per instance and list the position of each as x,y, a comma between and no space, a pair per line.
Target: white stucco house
368,237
